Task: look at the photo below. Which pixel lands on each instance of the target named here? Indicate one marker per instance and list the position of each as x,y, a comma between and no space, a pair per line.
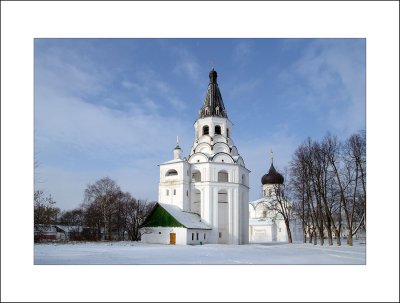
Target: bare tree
354,155
101,197
300,184
328,182
280,206
45,212
137,211
115,212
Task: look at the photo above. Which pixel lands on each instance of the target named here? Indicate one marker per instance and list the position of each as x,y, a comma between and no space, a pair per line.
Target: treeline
328,187
107,213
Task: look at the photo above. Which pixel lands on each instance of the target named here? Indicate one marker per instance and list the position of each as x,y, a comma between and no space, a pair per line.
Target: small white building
265,223
212,181
168,224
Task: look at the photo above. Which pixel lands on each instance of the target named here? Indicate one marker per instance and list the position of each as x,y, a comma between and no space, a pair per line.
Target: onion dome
273,177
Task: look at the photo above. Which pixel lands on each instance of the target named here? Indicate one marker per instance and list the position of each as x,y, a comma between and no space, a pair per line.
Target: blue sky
113,107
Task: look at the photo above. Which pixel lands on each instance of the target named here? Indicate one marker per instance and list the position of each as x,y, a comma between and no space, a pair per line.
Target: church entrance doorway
172,238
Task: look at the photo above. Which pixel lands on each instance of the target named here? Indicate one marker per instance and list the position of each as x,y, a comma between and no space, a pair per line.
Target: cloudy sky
113,107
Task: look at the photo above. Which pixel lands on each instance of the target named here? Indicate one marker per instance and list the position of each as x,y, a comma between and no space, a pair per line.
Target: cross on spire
177,143
272,155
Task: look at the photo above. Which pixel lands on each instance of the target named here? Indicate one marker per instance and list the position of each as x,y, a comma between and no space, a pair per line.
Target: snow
172,161
141,253
188,219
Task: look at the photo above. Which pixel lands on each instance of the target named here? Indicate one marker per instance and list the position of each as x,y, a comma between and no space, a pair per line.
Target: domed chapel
204,197
266,224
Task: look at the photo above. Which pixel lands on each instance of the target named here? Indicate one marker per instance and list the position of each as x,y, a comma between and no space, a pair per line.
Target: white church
203,198
266,224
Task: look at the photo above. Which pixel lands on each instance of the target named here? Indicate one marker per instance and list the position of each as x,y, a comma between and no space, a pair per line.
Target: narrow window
174,192
197,236
187,193
223,176
196,176
280,229
159,232
204,236
217,130
206,130
192,236
269,192
220,234
227,132
167,192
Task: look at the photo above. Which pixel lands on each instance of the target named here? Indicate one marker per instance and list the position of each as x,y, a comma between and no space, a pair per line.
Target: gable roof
178,218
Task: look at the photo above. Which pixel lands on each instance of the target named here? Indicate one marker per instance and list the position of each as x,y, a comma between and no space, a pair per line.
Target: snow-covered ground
140,253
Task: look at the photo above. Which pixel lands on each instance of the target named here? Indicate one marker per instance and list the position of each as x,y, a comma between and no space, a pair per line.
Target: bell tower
219,188
213,180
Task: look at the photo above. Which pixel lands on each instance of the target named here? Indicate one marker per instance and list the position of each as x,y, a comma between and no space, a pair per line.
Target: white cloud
187,65
241,52
329,78
131,141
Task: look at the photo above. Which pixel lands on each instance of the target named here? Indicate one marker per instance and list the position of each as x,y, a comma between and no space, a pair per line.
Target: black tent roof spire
213,104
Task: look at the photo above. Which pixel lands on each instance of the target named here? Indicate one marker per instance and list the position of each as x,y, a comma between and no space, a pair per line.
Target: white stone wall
198,236
211,154
175,189
261,233
161,235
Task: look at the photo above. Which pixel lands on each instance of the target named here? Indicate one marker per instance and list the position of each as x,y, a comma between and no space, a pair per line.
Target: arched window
196,176
222,176
227,132
206,130
217,130
171,172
